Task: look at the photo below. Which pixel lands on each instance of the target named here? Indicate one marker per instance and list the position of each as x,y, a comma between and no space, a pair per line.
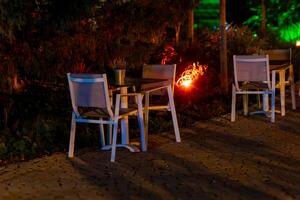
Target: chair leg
102,137
134,91
114,142
282,91
233,104
293,96
109,137
292,87
273,107
173,112
273,97
146,111
144,138
72,137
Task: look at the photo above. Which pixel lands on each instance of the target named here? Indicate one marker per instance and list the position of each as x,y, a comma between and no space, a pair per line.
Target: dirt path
217,159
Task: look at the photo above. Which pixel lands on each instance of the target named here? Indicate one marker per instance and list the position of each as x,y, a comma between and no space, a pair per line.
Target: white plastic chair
280,62
251,76
158,89
91,104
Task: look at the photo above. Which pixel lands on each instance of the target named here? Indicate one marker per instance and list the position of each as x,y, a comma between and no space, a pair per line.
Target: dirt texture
217,159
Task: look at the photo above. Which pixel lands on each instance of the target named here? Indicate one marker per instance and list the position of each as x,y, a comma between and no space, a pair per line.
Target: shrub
3,150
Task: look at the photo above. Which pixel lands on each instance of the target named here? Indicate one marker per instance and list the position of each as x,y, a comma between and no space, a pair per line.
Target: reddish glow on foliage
168,54
80,68
191,73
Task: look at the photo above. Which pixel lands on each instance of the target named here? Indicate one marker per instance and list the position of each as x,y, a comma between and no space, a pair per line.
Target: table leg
233,103
245,104
258,102
124,122
265,102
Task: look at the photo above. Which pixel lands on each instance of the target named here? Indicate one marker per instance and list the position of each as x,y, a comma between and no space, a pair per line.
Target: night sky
237,11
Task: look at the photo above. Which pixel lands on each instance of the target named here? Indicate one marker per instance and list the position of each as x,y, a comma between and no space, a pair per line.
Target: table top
138,82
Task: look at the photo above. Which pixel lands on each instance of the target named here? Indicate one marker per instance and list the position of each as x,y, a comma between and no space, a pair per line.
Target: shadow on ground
217,159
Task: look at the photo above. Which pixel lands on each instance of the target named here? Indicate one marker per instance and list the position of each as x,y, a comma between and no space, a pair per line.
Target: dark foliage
40,41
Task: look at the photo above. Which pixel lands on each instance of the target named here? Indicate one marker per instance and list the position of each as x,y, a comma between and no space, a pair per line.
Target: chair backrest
158,71
251,68
278,55
89,90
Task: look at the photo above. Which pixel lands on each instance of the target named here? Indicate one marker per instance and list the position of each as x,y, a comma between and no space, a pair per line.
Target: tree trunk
177,34
191,25
223,47
263,18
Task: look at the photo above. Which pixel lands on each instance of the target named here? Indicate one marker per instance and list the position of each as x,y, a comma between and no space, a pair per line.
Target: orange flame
191,73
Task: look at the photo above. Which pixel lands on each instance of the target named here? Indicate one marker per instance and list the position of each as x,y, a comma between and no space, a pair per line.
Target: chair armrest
155,89
137,97
284,66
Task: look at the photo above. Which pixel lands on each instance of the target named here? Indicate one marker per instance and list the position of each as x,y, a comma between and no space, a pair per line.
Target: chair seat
93,113
255,86
103,113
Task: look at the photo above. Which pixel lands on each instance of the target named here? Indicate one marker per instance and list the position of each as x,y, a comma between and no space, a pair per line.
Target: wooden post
263,18
223,47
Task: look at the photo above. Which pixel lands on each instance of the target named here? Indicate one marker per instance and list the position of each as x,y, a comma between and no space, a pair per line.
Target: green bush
3,150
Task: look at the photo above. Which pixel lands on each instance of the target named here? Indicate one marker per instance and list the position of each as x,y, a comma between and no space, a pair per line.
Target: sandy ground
249,159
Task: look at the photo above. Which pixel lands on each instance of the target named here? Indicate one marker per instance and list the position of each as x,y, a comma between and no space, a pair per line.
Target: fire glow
191,73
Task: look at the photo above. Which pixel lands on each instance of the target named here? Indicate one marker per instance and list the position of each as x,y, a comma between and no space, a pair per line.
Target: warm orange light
298,43
191,73
186,83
